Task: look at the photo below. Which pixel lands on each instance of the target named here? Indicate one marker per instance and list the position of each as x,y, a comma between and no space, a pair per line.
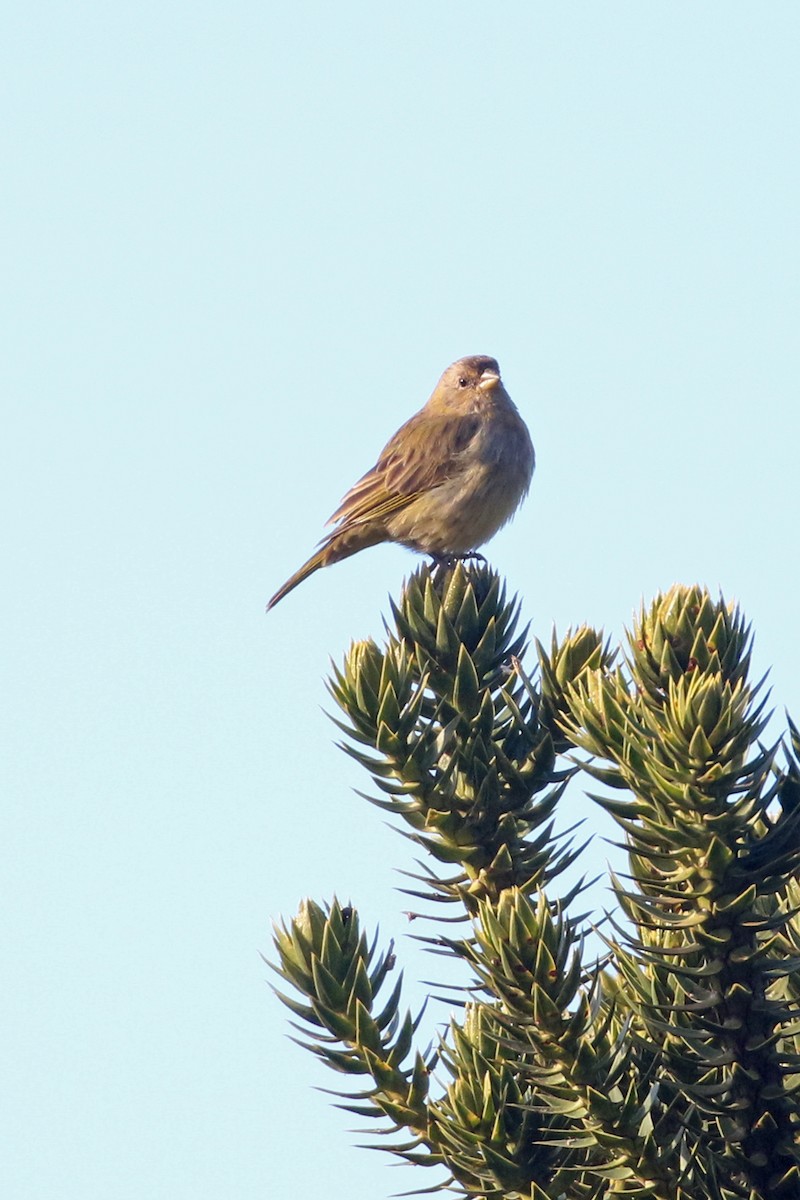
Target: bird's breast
489,479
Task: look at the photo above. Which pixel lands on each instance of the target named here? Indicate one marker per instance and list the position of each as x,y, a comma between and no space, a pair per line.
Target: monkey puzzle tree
668,1068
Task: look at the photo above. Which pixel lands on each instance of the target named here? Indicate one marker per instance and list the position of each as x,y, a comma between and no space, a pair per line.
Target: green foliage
671,1068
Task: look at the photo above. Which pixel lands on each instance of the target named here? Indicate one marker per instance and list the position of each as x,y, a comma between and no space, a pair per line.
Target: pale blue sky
239,244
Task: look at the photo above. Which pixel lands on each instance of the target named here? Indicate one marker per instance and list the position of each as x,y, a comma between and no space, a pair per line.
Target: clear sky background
240,242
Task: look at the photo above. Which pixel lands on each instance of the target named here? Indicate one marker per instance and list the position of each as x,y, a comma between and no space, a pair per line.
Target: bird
444,484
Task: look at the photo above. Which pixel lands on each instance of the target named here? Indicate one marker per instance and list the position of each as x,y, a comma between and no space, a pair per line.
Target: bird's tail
308,568
339,545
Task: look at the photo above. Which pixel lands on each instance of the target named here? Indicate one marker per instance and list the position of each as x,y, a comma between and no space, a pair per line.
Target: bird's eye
462,381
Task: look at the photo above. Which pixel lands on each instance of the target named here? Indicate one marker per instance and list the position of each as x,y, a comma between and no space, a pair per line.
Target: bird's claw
449,560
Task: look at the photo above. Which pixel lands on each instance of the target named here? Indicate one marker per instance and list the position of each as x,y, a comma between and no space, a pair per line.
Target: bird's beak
488,381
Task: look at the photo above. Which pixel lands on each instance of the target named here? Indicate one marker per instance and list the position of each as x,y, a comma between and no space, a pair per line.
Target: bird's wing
413,462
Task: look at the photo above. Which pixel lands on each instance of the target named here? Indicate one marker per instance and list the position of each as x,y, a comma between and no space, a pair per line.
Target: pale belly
466,511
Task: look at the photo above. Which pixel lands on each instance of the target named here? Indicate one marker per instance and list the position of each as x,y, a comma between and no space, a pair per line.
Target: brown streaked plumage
445,483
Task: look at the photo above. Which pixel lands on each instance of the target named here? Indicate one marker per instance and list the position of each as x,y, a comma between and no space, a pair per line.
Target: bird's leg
440,563
449,560
471,555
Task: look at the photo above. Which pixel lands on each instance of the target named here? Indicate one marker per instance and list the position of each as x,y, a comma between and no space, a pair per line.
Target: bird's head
465,382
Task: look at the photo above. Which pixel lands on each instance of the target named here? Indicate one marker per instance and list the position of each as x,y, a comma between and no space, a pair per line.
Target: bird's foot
450,560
